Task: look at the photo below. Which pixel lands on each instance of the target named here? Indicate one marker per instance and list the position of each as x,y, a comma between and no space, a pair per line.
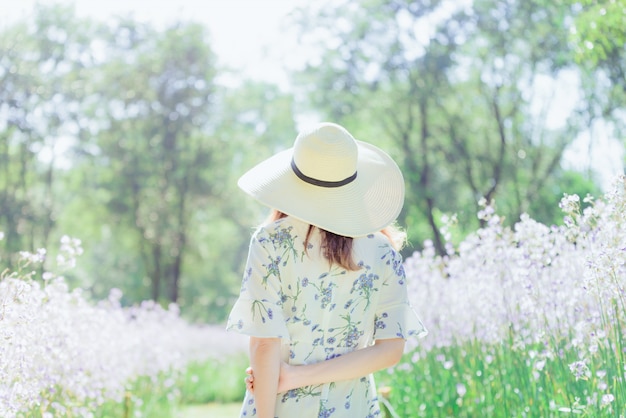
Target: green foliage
39,101
216,380
121,133
599,33
214,410
466,380
569,182
152,397
145,173
456,106
473,379
156,94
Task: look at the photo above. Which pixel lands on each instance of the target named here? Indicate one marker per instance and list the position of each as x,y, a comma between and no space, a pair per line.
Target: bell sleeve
258,309
395,318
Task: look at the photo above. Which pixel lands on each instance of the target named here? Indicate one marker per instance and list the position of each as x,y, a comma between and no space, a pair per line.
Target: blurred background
126,124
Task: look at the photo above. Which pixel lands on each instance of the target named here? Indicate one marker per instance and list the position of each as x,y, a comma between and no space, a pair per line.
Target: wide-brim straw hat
330,180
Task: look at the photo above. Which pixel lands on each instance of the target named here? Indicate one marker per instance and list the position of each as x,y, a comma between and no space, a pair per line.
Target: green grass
212,410
477,380
146,397
214,381
214,388
463,381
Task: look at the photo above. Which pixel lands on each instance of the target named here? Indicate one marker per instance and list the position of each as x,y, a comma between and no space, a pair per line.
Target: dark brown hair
337,249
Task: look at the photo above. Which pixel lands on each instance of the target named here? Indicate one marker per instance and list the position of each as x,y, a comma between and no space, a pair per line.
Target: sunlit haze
247,35
252,38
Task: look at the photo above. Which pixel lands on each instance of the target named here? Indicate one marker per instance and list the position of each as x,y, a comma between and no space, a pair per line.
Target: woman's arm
358,363
265,361
384,353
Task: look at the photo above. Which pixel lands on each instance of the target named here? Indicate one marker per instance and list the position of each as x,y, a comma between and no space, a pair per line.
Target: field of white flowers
63,355
547,303
524,322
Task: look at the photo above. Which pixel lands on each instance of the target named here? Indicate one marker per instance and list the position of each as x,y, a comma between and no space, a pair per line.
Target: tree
456,105
164,163
599,37
150,152
119,135
40,95
253,121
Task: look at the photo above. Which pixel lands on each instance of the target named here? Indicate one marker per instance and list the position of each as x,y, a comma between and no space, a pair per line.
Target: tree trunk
425,179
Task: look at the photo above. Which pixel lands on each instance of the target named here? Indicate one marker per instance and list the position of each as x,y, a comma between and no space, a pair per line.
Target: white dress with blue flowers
321,311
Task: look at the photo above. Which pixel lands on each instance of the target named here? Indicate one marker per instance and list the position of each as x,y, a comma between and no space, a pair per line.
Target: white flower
607,399
539,365
461,390
580,370
90,352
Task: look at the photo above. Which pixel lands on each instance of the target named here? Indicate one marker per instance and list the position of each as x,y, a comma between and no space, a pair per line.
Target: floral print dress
321,311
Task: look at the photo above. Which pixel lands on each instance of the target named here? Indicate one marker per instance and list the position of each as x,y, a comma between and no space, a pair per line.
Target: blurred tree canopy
598,35
122,134
463,108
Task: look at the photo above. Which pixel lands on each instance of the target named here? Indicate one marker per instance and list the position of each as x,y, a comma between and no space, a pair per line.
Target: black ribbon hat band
320,183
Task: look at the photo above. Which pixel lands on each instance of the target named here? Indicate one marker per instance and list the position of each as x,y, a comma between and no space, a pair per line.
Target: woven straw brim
368,204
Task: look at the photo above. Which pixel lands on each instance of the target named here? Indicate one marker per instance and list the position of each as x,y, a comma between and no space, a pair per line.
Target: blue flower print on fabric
321,312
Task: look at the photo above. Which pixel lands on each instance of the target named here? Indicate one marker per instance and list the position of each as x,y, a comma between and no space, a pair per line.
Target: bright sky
246,34
250,35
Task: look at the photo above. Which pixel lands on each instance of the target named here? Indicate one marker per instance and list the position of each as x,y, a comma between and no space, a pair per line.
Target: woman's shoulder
284,228
377,252
377,242
374,238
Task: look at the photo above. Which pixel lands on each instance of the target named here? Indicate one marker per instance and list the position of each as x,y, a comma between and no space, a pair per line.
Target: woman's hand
283,380
249,380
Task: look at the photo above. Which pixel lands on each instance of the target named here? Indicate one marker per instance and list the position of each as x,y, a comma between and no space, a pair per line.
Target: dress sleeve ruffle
257,318
398,321
395,318
258,310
